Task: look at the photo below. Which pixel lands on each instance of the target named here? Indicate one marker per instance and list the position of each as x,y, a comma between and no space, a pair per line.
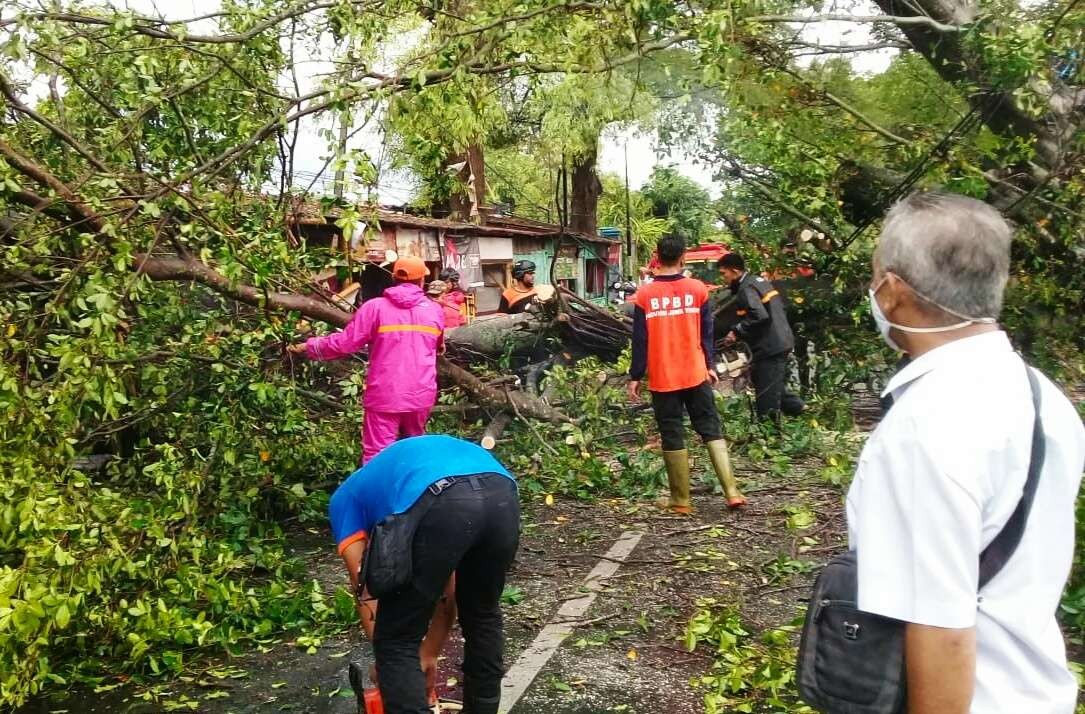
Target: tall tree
142,269
680,200
647,228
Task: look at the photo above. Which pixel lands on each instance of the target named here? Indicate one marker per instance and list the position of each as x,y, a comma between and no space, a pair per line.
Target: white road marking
547,642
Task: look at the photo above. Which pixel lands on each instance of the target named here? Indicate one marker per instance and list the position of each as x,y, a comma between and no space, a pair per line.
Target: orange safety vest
672,311
514,295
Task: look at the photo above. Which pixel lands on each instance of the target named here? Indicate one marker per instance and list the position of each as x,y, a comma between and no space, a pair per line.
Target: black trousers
769,378
472,529
670,408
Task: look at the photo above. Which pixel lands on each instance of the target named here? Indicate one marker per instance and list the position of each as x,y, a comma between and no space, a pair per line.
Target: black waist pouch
388,564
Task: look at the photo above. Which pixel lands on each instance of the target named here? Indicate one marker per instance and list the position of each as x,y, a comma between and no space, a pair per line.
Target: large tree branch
928,23
819,49
30,169
190,269
152,27
480,392
40,204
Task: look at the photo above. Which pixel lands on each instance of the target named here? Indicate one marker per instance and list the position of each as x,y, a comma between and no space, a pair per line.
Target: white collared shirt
936,483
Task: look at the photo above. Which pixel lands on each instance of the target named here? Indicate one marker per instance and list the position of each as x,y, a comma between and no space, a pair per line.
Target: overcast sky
395,188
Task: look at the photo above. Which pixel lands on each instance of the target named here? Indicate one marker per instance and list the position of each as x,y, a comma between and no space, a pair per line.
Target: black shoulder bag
852,662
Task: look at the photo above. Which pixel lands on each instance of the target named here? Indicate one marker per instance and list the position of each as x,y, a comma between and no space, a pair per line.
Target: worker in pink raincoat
454,298
438,291
404,331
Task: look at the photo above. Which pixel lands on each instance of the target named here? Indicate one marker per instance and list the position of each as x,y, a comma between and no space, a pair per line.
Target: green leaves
748,673
190,511
61,557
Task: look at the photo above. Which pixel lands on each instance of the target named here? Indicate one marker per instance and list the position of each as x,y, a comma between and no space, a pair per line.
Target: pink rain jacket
404,331
454,314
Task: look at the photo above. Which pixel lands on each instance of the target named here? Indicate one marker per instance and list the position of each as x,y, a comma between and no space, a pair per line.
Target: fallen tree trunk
597,331
582,327
496,336
478,391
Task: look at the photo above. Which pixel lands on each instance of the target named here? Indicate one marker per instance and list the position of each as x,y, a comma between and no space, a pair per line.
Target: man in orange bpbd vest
515,299
672,343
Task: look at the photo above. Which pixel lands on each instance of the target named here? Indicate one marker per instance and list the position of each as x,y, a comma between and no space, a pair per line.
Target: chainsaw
370,702
734,361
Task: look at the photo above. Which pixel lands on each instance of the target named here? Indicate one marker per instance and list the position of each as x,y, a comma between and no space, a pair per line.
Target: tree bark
476,185
494,431
586,192
190,269
520,402
469,200
496,336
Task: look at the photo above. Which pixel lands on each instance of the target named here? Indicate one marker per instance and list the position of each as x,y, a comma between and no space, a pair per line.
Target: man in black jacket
763,326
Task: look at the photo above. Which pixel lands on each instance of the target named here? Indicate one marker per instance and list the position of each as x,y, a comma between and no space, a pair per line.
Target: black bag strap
998,552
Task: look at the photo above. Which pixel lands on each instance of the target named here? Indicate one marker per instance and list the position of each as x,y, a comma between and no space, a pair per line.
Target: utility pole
631,258
341,172
339,187
564,194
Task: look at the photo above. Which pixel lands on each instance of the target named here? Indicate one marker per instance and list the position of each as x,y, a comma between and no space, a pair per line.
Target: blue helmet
522,268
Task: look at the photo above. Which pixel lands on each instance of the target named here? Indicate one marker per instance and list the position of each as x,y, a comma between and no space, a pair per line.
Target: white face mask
884,325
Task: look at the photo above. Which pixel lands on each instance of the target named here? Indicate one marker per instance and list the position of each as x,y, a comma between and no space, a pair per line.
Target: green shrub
177,543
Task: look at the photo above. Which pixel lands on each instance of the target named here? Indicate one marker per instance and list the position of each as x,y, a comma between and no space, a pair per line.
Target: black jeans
670,408
769,378
472,529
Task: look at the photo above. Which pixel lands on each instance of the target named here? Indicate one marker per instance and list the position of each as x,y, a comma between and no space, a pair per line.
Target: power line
968,122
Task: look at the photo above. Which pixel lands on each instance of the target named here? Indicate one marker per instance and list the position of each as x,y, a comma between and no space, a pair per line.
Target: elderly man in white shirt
945,469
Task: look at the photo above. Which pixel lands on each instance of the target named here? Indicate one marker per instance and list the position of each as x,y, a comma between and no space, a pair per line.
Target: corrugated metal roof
311,213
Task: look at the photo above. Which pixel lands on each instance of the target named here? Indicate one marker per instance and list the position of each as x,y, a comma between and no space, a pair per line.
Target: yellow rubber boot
721,462
677,463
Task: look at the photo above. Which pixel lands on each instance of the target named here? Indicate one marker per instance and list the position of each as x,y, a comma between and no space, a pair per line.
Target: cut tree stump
495,429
